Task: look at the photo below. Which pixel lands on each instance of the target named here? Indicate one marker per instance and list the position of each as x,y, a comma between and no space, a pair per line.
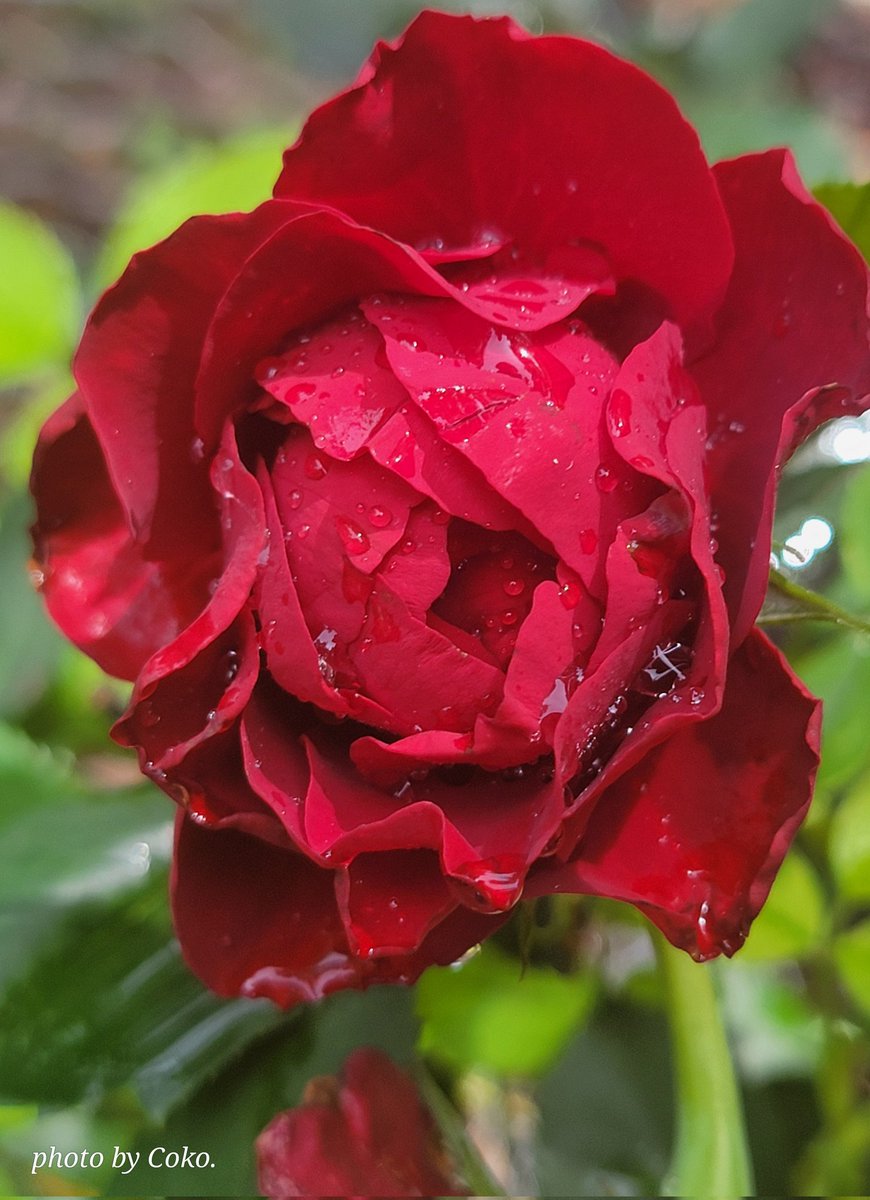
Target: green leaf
792,921
839,672
854,533
490,1013
852,956
39,297
29,644
225,1116
234,176
773,1029
849,204
606,1108
849,843
109,1002
60,844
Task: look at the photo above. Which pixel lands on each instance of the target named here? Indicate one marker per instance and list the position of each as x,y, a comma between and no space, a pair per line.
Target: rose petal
333,381
695,833
420,148
169,716
793,325
240,504
261,921
258,920
107,597
331,263
408,445
526,410
389,901
448,686
136,367
530,293
366,1135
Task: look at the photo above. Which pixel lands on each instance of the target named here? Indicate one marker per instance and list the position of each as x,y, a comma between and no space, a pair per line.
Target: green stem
456,1139
711,1156
816,607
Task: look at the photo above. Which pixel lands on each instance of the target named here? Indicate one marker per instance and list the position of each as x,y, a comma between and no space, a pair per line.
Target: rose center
492,585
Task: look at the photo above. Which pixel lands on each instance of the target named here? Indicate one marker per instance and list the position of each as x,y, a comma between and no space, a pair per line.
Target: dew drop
514,587
379,516
315,468
569,594
354,539
588,541
620,413
605,479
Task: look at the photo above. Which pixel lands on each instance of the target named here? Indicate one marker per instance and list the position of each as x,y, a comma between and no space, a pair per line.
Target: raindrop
379,516
315,468
605,479
620,413
354,539
588,541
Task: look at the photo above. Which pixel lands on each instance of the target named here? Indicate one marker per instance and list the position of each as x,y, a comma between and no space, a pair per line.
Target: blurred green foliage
106,1039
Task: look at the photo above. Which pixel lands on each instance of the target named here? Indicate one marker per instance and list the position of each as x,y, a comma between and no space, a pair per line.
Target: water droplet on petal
354,539
620,413
315,468
569,594
379,516
588,541
605,479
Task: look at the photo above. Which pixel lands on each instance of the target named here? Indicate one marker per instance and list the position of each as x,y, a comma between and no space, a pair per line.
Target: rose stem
817,607
711,1156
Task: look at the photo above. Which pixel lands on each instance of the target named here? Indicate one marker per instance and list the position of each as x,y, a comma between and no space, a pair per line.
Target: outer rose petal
464,131
258,920
792,350
695,833
116,605
365,1135
137,363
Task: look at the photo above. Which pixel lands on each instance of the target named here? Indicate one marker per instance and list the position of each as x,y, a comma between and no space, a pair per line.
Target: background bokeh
118,120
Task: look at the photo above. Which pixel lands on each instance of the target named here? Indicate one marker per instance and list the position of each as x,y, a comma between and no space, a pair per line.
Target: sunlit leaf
839,672
852,956
792,921
39,297
854,534
490,1013
849,843
849,204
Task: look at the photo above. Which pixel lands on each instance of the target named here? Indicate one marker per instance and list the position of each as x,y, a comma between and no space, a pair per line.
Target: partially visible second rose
429,507
365,1134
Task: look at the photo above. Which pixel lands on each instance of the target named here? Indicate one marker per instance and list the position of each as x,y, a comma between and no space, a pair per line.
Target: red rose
366,1134
429,506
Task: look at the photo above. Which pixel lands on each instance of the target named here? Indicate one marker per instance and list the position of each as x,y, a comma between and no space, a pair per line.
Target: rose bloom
365,1134
429,507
